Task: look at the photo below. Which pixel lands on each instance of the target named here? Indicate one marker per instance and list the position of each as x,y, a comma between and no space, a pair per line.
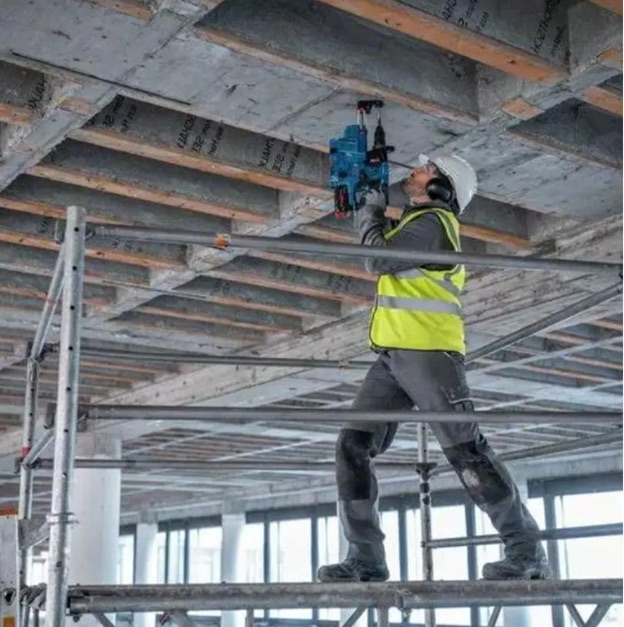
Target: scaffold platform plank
402,595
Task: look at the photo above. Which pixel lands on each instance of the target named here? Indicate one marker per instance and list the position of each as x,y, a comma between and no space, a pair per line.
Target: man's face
415,185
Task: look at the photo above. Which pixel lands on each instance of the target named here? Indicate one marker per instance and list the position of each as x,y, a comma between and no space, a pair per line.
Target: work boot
353,569
518,565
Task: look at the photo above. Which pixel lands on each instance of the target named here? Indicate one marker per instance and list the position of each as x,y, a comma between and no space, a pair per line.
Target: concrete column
94,545
518,616
146,562
232,527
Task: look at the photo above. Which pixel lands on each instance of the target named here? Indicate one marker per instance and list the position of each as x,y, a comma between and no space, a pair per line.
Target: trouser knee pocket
485,481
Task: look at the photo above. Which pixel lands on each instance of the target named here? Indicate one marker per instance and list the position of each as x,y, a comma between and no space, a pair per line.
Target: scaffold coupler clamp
424,470
56,519
34,596
79,594
399,602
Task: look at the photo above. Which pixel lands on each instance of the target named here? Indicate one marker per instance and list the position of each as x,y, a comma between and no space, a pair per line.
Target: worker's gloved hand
373,197
370,217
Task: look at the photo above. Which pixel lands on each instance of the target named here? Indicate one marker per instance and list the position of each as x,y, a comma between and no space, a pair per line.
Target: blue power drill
354,169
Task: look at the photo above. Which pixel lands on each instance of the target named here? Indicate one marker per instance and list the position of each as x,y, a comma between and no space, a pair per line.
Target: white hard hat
460,173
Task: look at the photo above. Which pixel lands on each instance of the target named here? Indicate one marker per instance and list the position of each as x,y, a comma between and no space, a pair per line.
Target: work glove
373,197
371,213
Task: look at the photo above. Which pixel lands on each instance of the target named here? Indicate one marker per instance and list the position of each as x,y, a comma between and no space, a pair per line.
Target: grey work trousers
429,381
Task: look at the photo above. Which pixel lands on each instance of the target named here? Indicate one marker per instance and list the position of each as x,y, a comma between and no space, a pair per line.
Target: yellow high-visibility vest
419,309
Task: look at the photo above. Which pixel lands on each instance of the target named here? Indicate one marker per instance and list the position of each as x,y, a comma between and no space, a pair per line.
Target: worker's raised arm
423,233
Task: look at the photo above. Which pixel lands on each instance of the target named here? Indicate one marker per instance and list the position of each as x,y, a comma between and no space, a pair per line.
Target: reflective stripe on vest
418,304
418,308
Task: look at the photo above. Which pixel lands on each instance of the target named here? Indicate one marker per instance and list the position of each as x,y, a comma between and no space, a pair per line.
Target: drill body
354,169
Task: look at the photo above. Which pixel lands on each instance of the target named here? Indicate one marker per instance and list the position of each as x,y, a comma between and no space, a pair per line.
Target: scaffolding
58,599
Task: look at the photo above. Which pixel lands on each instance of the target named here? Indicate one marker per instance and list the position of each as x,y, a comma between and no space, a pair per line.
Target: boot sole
352,579
535,575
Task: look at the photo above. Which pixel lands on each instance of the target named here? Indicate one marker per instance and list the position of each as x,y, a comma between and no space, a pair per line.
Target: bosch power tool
354,169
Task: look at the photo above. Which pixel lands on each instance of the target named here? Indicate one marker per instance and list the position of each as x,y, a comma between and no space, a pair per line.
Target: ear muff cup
439,189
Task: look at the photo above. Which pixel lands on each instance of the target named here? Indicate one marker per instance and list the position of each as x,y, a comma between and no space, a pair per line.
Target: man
417,330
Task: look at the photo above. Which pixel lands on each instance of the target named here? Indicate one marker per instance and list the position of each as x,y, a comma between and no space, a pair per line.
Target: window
252,553
125,560
161,559
451,563
175,572
538,615
290,554
590,558
390,527
205,555
328,533
205,559
38,572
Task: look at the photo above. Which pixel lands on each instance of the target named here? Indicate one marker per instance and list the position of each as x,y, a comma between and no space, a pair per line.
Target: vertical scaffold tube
424,471
26,473
66,418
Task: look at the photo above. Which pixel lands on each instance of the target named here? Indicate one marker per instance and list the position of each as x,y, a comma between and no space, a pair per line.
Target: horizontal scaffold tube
566,533
219,466
404,595
227,240
225,360
226,414
603,439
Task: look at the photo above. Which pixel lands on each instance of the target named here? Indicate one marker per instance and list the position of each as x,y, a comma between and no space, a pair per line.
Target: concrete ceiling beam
329,46
186,328
295,279
126,175
526,40
182,139
33,286
40,232
124,333
184,309
576,131
50,199
23,96
227,292
40,262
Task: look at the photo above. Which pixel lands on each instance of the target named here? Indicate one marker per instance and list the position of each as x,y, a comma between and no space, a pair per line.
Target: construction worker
417,330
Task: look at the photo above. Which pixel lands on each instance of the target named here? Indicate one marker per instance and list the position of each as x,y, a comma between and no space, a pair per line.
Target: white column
518,616
94,545
232,527
146,562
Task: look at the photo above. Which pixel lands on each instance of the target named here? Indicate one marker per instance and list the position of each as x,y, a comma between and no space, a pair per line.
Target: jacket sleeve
422,233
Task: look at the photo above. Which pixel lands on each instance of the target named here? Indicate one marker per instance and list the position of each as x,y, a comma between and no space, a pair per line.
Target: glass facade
289,545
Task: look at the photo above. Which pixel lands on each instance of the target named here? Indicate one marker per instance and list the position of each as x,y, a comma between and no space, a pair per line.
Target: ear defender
439,189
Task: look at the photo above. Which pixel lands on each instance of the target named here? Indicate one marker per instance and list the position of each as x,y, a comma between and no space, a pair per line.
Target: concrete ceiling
208,115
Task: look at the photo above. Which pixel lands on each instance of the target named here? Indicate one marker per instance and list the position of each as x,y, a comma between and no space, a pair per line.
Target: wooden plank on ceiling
408,20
